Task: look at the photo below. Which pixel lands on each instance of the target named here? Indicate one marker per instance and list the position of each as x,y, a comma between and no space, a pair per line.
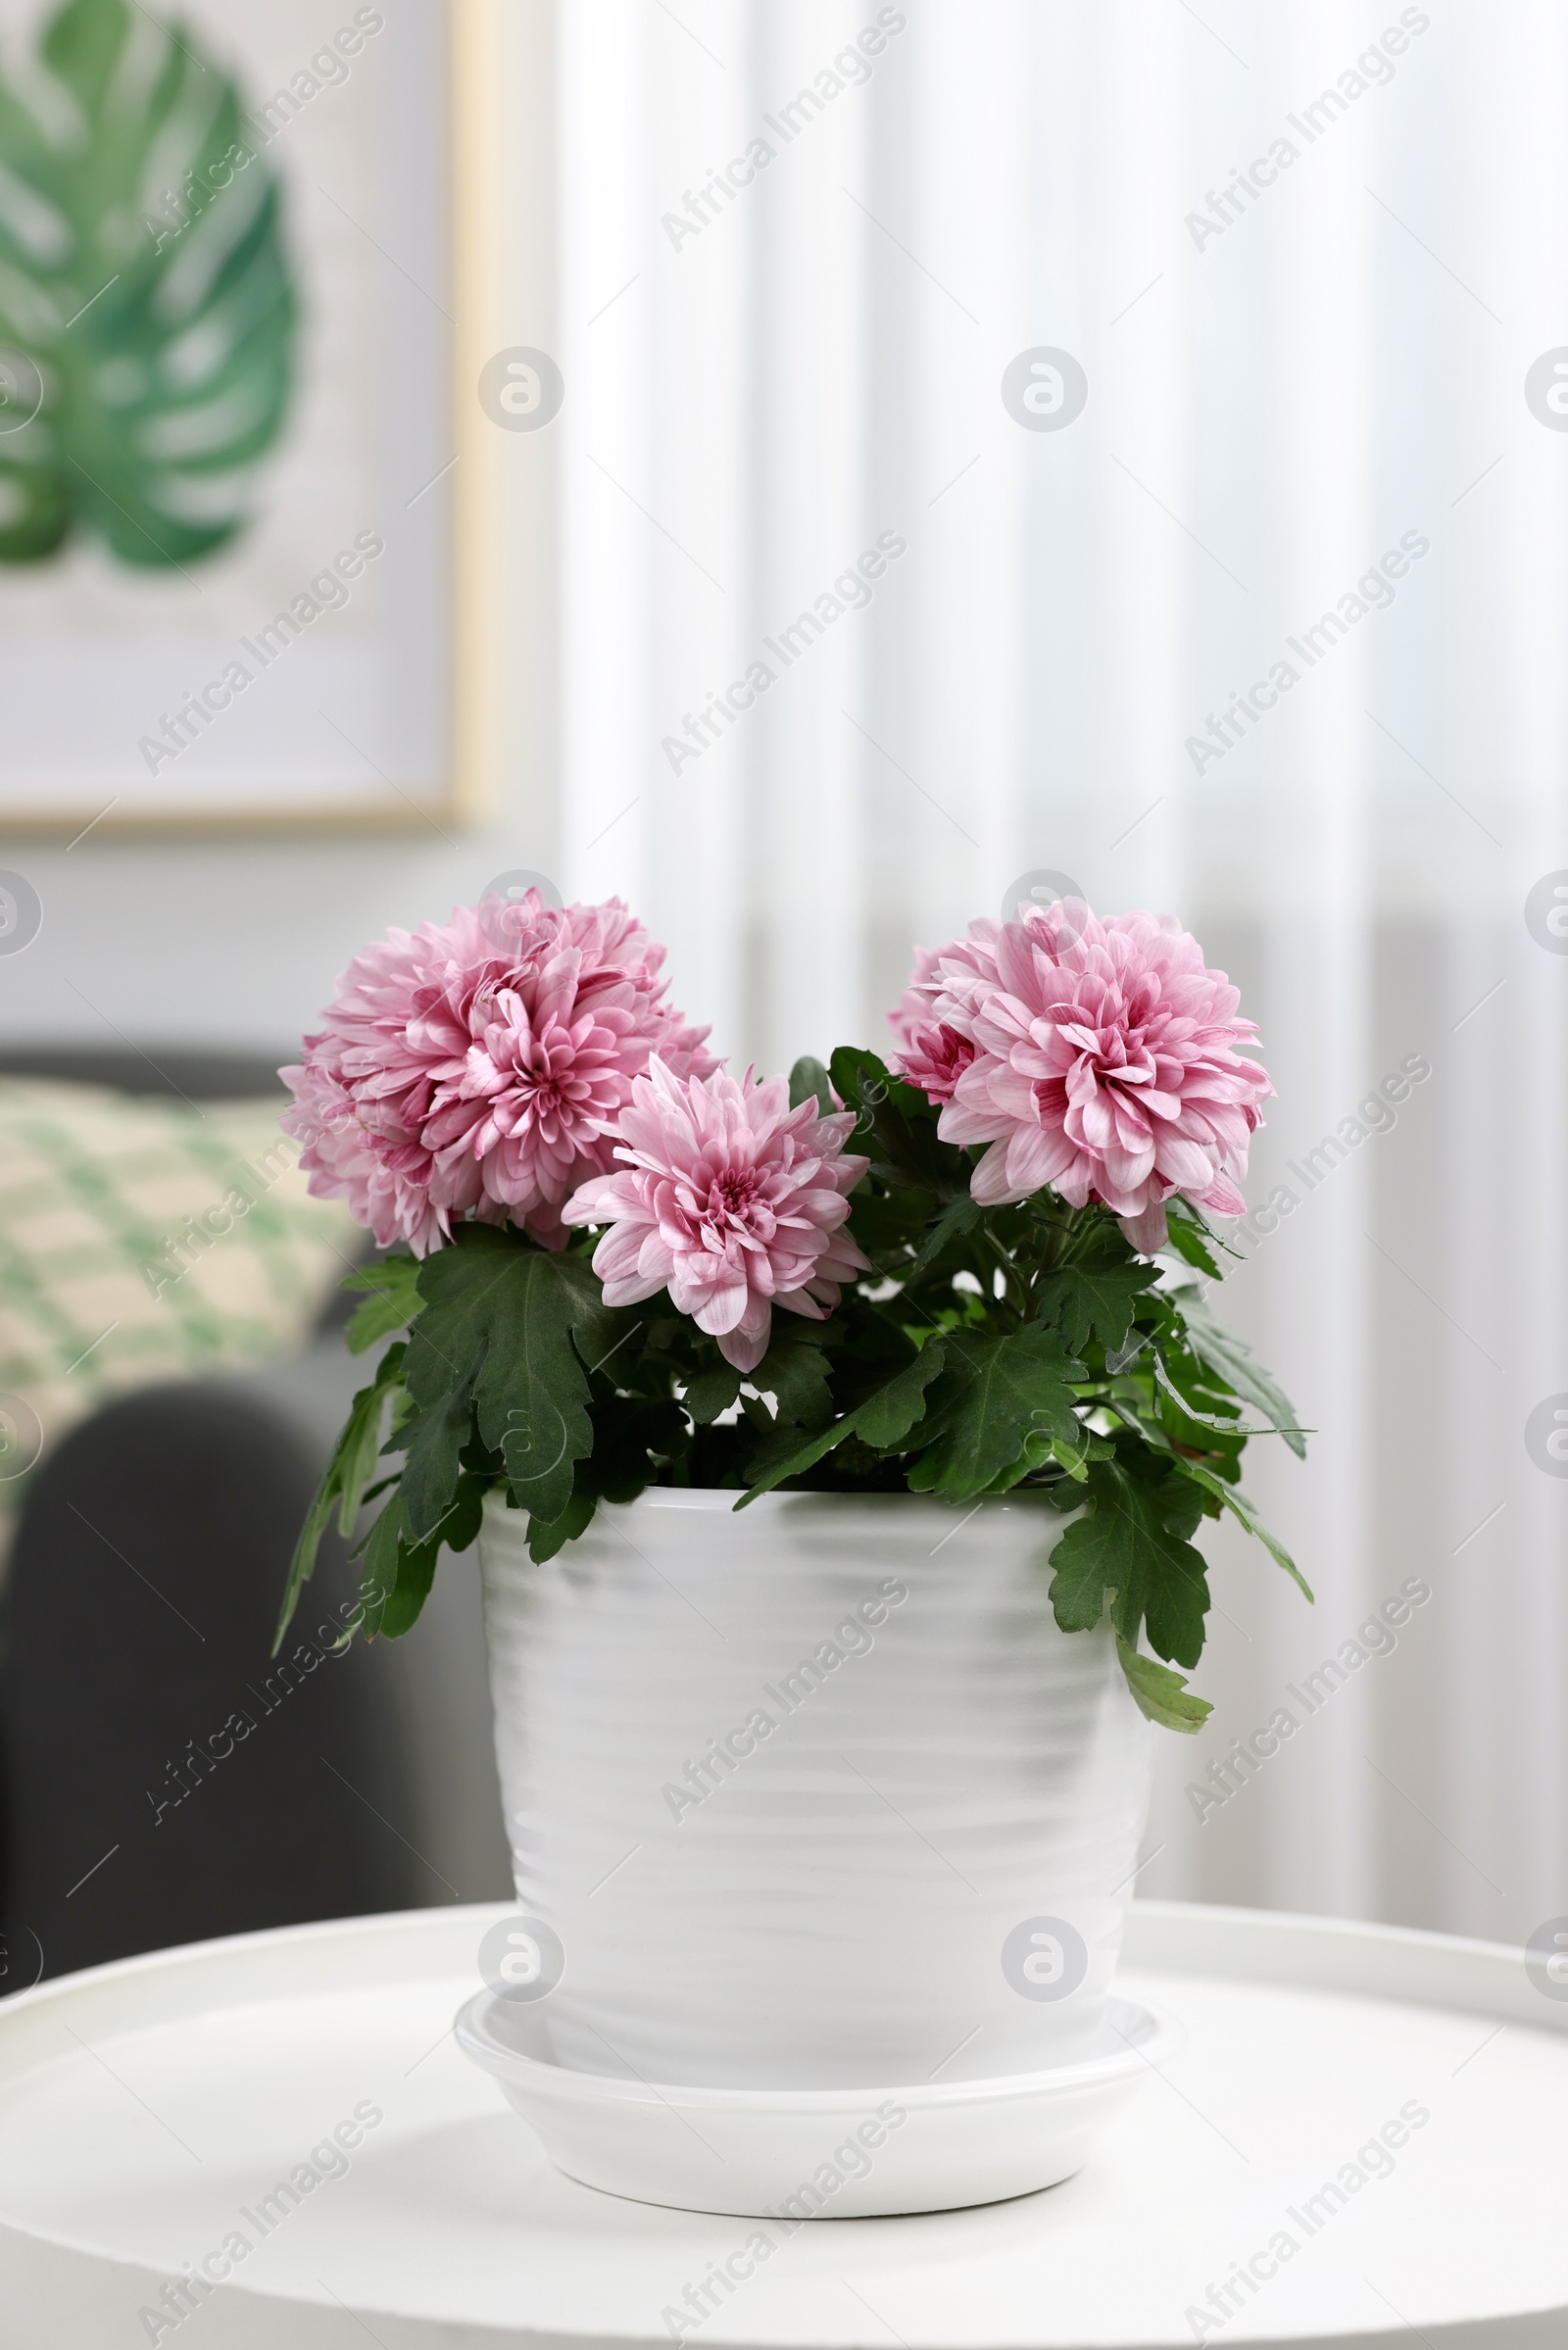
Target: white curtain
1291,375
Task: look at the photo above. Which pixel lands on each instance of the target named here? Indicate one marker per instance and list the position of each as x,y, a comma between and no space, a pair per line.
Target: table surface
1390,2106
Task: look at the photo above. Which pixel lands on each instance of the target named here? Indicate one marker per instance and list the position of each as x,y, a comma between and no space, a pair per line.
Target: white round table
1365,2140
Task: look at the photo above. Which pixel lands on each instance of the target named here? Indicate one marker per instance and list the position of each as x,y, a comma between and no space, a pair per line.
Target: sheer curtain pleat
1036,665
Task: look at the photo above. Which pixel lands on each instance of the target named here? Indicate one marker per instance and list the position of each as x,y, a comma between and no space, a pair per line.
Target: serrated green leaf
1039,1451
889,1224
547,1536
1074,1459
809,1080
341,1491
145,291
434,1435
882,1420
416,1561
1093,1301
1227,1422
795,1370
505,1315
392,1302
416,1572
861,1079
379,1571
1189,1235
1246,1512
960,1215
713,1392
1132,1544
1161,1695
1231,1361
780,1453
398,1569
995,1391
887,1416
301,1566
360,1446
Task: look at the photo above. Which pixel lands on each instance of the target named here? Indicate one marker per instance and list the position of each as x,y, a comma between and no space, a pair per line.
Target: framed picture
242,510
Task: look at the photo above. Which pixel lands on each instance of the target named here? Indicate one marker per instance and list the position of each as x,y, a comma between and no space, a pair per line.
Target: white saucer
832,2154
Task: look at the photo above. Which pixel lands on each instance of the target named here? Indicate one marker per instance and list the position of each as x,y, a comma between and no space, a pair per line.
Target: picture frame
330,664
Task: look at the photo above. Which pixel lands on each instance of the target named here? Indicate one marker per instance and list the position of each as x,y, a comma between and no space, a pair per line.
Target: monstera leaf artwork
146,312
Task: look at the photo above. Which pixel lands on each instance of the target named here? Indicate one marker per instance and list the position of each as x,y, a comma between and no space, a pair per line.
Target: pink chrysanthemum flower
732,1201
478,1066
933,1053
1106,1062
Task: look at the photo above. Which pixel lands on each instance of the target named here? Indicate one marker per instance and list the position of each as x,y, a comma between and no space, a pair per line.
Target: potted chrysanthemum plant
834,1446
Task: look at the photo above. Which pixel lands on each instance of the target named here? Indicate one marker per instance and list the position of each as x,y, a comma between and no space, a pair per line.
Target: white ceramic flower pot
815,1797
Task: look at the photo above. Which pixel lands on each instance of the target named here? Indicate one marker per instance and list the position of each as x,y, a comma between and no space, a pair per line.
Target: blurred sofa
161,1777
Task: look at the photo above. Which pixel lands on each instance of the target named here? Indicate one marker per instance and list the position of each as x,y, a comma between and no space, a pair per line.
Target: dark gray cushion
164,1779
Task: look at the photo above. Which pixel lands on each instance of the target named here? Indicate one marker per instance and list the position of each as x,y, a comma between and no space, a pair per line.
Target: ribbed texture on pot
832,1909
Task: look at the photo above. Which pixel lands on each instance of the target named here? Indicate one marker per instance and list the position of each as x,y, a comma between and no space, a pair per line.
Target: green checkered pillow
144,1239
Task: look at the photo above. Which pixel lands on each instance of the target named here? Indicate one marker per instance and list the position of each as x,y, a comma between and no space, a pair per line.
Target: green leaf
1246,1512
882,1420
960,1215
547,1536
145,290
1231,1361
993,1395
1092,1300
1130,1545
341,1491
896,1125
1038,1452
461,1525
416,1572
378,1573
524,1325
360,1446
713,1392
1189,1235
1074,1459
434,1434
399,1569
863,1080
1161,1695
795,1370
392,1303
809,1080
887,1415
889,1225
1227,1422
